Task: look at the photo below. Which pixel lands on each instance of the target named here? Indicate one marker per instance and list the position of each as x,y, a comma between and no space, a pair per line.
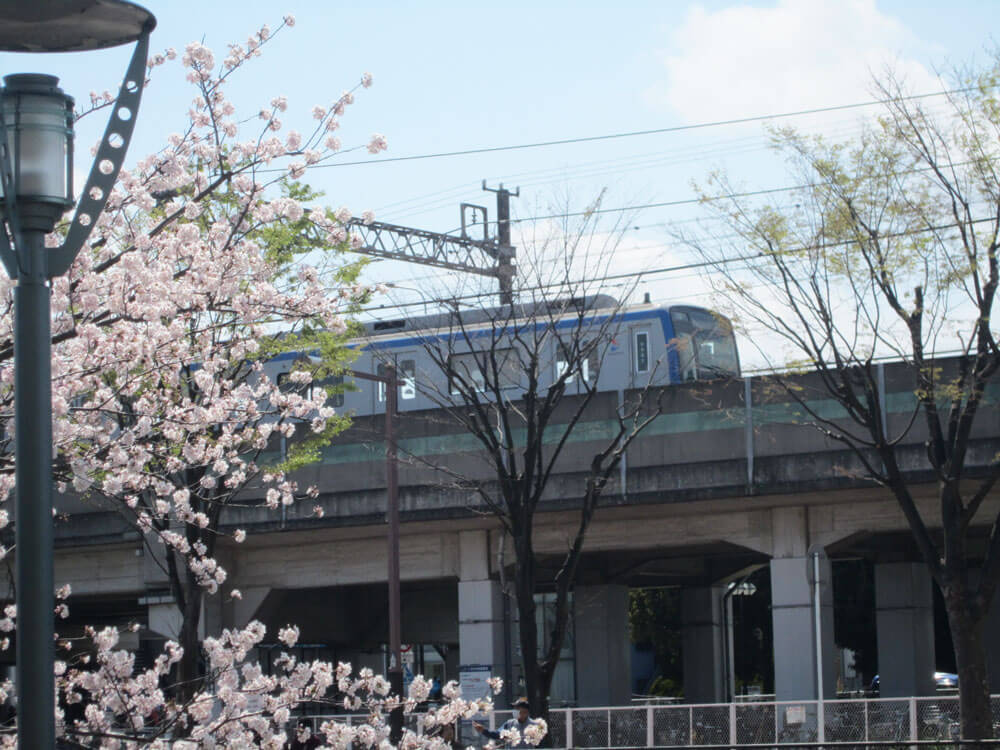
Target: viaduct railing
774,723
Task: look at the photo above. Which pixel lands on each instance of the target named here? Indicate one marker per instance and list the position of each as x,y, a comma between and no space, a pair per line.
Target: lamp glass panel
38,136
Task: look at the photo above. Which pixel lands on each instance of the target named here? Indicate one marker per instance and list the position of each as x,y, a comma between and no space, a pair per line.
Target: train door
643,366
406,372
583,357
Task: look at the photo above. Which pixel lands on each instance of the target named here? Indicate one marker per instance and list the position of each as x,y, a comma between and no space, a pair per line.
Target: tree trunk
188,668
528,636
539,701
975,714
537,677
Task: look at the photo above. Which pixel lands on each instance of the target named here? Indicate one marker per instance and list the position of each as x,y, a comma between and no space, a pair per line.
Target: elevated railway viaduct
728,478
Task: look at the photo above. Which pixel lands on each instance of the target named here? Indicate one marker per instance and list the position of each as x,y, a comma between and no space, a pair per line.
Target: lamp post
36,179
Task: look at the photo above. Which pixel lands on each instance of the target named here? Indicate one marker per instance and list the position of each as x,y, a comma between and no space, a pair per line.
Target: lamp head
36,150
70,25
38,119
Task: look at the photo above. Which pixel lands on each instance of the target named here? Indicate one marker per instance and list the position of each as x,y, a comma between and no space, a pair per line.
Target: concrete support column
244,610
792,611
480,608
993,645
603,645
165,618
904,619
703,644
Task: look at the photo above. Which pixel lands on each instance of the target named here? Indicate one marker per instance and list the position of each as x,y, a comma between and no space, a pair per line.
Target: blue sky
451,76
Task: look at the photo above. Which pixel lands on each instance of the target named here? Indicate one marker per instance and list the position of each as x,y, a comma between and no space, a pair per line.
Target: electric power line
634,133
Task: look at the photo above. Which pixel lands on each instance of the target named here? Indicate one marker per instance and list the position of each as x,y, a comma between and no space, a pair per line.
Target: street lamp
36,181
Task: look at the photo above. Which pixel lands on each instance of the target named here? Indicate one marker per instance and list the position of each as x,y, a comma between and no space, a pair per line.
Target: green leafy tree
654,620
889,248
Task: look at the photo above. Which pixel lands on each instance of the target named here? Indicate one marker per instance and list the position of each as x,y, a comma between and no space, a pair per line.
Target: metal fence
860,721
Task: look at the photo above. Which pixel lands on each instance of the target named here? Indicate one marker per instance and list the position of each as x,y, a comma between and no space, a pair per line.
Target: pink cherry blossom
162,407
377,143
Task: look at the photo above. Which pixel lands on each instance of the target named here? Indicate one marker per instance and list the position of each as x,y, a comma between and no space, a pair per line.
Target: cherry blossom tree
240,706
164,322
200,271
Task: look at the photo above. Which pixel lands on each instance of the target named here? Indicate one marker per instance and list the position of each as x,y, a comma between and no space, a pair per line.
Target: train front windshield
704,343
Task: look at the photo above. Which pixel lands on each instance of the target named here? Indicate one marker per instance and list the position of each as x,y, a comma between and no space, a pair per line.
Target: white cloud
798,54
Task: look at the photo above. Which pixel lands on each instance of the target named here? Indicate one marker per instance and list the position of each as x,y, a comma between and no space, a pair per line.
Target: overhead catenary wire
669,269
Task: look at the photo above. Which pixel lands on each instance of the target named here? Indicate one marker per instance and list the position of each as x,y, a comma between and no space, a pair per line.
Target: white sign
795,715
473,680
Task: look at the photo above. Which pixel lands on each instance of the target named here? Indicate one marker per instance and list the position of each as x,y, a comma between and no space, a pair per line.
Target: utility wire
580,170
634,133
709,199
671,269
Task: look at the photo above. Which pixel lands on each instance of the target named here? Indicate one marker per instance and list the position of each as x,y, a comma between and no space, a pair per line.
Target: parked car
942,681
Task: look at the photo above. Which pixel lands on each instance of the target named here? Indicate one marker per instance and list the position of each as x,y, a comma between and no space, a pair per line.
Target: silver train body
658,344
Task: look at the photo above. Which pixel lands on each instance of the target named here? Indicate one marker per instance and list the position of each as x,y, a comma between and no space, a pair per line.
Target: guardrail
861,720
857,722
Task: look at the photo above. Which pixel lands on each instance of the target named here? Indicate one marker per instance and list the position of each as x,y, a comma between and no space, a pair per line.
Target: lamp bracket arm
111,152
7,254
10,231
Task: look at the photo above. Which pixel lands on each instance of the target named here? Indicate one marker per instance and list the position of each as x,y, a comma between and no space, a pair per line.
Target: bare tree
520,379
890,249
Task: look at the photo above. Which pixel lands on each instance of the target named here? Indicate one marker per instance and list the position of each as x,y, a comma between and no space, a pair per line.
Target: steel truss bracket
429,248
107,163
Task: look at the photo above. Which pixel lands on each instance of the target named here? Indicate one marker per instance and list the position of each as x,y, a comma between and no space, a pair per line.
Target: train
648,343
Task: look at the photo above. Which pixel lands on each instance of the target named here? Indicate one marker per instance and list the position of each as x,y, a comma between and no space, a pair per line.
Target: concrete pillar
244,610
904,620
703,644
480,608
792,611
603,645
154,563
993,645
165,618
213,614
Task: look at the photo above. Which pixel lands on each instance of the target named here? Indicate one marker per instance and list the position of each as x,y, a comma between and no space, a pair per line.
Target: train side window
407,369
287,385
510,369
380,386
470,367
688,361
588,365
641,351
406,375
683,344
335,399
465,368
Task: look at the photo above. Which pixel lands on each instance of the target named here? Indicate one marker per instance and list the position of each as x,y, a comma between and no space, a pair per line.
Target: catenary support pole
392,512
391,383
33,497
818,639
505,251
